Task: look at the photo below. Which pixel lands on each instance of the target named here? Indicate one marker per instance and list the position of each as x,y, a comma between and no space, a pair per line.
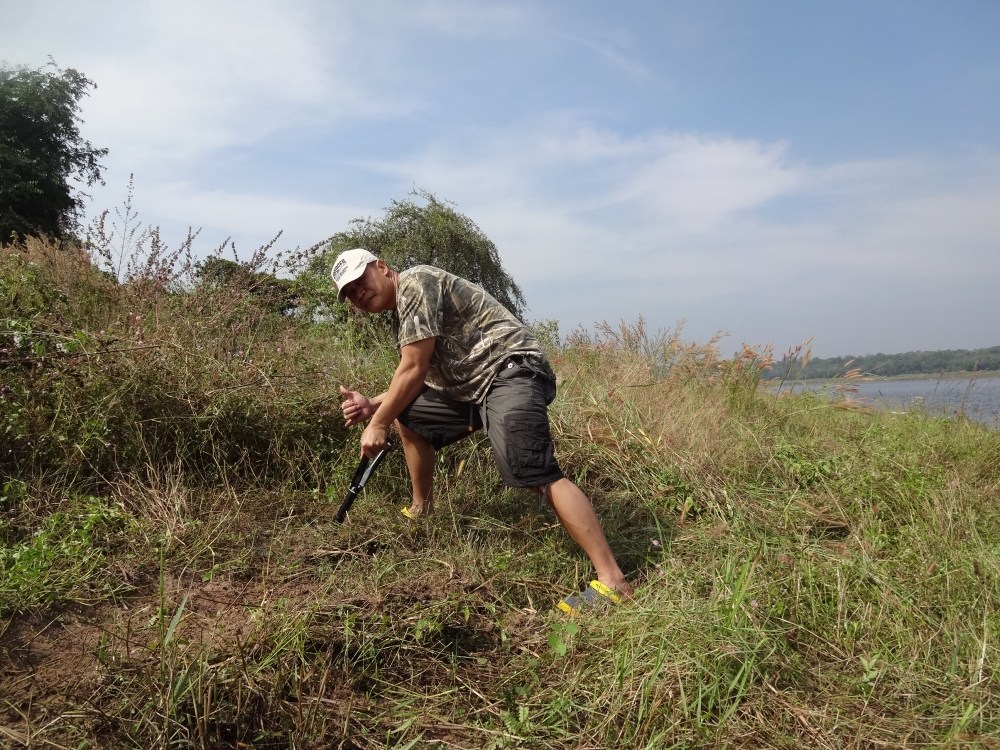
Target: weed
63,560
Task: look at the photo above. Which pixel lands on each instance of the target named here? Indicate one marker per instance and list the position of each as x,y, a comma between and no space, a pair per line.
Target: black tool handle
366,467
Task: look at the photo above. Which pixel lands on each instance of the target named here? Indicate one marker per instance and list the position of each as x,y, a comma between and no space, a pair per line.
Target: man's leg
518,426
576,514
420,456
431,422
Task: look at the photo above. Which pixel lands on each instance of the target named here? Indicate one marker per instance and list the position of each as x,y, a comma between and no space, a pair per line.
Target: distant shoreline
959,375
941,364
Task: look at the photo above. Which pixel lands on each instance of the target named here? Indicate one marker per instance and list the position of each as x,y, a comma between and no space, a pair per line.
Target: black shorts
514,414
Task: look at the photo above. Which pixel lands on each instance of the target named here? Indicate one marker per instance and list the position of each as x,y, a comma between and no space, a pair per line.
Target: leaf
175,621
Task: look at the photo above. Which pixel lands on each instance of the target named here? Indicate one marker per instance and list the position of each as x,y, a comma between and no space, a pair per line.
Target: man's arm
407,383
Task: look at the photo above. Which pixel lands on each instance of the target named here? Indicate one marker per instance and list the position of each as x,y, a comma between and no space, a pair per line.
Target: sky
771,171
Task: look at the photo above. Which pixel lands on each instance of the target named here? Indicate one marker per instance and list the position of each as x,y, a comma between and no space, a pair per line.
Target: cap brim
356,274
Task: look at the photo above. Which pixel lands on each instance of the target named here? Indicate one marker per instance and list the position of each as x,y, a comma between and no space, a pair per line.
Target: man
465,362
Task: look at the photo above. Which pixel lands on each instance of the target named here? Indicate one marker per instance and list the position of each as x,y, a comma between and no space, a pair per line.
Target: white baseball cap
350,265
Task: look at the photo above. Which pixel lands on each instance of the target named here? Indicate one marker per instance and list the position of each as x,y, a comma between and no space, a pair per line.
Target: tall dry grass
171,575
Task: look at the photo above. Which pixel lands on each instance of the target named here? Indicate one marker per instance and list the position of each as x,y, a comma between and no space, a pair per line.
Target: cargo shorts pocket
527,448
516,420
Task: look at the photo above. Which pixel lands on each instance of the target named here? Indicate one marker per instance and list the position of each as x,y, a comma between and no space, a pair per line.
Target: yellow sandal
595,596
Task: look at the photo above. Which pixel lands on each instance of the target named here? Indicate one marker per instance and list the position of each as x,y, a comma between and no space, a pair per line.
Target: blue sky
774,171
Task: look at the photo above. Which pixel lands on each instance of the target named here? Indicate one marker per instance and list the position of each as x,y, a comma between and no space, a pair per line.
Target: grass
171,574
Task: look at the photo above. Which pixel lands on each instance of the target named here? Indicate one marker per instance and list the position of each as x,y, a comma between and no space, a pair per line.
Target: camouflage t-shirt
475,333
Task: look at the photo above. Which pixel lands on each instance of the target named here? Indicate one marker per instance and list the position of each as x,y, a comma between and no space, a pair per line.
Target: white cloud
648,192
700,183
179,80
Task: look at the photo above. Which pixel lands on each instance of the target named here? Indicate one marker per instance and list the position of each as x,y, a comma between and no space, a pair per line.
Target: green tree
42,152
431,232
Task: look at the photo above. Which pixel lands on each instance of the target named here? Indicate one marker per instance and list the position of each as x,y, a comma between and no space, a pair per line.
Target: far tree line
887,365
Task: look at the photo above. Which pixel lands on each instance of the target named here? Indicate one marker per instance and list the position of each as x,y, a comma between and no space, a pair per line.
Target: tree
435,234
42,151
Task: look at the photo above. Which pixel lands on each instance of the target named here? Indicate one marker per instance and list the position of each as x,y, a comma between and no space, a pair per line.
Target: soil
97,676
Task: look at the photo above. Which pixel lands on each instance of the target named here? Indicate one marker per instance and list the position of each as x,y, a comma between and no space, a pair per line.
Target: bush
101,378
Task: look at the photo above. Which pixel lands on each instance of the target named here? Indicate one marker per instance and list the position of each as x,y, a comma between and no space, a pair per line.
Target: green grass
171,574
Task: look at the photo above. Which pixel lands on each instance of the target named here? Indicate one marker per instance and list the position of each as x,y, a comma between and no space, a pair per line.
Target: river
978,398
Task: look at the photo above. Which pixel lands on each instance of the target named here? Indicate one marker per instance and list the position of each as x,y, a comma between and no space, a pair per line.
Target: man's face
372,291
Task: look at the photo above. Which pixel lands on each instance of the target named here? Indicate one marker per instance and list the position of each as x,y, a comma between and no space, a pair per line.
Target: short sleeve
419,301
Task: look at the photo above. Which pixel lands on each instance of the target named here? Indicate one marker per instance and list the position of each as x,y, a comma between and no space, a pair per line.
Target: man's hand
407,382
356,407
373,439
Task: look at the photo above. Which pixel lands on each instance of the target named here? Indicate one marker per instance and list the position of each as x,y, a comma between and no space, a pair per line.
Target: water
977,398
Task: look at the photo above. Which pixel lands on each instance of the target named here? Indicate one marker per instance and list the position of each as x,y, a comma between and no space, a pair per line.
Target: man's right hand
356,407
